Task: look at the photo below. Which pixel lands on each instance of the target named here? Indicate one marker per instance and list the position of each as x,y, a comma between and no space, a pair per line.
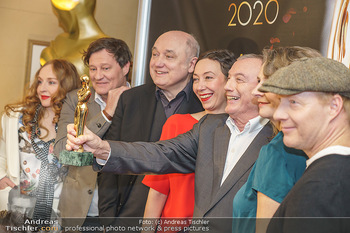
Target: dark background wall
254,24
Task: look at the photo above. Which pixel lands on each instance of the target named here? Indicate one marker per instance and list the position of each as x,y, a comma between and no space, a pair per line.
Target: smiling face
47,86
171,64
268,102
241,103
208,85
106,73
304,119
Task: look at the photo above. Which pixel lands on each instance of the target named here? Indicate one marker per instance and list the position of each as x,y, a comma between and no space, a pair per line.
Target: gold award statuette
79,157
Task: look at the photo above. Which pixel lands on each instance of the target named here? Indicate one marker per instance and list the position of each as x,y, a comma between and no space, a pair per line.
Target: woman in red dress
171,196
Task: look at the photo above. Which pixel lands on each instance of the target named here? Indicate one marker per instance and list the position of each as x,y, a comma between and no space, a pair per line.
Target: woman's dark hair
225,57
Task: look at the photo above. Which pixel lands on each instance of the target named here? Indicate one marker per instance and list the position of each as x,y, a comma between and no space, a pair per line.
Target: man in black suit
141,113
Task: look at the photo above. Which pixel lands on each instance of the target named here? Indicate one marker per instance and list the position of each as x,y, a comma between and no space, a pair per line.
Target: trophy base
74,158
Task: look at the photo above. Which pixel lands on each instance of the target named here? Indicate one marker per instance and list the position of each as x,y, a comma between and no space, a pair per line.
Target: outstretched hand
90,141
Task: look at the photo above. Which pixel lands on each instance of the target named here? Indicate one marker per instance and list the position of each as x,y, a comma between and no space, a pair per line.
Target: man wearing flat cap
315,117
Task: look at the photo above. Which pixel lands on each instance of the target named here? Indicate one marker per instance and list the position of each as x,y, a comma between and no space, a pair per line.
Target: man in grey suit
220,149
109,62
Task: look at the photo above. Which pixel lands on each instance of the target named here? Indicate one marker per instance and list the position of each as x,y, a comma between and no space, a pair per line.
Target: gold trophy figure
80,28
79,157
82,110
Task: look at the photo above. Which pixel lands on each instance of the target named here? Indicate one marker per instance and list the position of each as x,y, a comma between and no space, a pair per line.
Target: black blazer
135,119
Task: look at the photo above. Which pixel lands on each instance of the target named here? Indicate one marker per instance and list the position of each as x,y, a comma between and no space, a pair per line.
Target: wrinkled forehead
314,97
249,67
174,44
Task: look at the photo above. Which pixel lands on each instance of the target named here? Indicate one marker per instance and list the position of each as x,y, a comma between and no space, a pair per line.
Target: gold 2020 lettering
258,6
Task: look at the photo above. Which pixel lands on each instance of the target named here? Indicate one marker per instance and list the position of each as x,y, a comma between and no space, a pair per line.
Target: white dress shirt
239,141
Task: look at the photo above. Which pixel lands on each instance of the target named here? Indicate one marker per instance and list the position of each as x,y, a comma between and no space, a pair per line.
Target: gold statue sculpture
80,29
79,157
82,110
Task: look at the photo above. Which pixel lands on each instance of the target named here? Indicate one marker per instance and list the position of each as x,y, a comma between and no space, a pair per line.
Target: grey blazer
80,182
203,151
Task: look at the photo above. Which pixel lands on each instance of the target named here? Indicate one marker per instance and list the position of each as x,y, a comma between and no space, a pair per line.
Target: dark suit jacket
203,150
80,182
138,117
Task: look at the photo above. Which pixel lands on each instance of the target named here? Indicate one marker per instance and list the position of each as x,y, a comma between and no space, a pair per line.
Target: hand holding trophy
79,157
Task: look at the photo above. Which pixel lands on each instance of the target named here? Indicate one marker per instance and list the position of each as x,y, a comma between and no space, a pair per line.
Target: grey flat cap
310,74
